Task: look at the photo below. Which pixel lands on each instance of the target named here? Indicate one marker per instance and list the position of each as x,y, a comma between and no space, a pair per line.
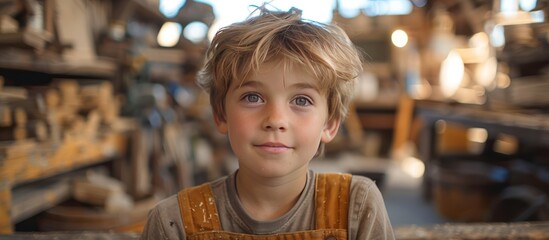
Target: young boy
279,87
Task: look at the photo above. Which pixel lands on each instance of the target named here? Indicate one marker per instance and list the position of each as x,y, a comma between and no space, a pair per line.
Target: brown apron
199,213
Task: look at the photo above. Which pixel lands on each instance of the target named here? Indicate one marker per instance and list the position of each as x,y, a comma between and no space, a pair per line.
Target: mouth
273,147
273,144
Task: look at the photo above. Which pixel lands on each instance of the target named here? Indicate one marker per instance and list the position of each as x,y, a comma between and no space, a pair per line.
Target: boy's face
276,120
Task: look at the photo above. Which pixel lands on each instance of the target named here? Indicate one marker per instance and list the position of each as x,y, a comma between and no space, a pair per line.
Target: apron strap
198,209
332,200
199,212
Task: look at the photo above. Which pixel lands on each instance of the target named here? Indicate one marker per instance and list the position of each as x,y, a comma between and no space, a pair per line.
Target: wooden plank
403,122
472,231
530,127
377,121
71,217
10,149
31,39
44,161
96,189
147,12
30,201
354,126
41,162
457,231
89,235
98,69
49,16
5,205
141,155
73,27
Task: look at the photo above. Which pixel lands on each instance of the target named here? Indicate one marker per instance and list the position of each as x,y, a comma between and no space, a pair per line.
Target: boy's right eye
252,98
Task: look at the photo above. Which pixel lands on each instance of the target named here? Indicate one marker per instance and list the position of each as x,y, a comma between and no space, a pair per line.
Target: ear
330,130
221,124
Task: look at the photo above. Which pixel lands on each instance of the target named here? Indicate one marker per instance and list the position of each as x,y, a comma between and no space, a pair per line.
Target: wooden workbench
472,231
455,231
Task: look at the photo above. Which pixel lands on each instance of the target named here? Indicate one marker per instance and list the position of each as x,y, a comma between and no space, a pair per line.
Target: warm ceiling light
399,38
479,135
485,73
413,167
451,74
169,34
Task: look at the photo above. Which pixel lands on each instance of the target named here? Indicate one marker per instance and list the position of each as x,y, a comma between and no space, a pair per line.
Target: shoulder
164,221
167,213
364,194
167,204
220,182
368,217
361,184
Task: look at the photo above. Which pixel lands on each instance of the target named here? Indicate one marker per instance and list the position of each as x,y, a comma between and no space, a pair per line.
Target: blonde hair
324,50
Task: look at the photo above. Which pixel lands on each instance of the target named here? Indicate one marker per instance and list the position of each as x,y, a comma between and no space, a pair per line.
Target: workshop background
100,117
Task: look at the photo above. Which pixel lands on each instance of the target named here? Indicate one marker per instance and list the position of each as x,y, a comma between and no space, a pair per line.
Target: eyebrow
249,83
300,85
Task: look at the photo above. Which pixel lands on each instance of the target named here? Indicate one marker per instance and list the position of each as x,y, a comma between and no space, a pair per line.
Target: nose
276,118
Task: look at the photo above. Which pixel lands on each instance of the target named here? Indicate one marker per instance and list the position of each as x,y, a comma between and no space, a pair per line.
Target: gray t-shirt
368,217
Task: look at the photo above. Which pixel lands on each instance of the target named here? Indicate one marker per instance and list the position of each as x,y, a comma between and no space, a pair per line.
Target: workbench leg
5,207
427,151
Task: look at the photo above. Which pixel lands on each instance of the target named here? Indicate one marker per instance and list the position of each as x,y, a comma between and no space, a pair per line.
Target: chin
273,174
276,173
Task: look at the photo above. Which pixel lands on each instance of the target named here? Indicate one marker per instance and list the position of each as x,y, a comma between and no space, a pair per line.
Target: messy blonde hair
324,50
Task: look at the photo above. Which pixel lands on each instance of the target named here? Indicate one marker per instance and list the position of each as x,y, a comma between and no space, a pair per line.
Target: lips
273,147
273,144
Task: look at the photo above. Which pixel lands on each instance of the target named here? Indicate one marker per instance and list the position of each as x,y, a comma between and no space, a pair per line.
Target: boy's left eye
302,101
252,98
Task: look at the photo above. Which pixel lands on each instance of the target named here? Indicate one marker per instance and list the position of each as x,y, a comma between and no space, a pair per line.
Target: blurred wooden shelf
100,69
44,161
30,201
81,235
27,39
147,12
525,56
138,9
529,127
27,162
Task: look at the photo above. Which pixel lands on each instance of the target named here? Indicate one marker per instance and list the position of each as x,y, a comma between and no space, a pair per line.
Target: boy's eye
302,101
252,97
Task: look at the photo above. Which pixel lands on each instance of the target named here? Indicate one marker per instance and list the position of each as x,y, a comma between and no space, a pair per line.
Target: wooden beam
403,122
5,208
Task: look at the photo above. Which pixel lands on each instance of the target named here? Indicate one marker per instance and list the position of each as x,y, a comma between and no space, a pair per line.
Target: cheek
315,119
240,125
310,128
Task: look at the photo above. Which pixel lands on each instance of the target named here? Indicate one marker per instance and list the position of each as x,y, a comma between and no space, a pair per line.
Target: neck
269,198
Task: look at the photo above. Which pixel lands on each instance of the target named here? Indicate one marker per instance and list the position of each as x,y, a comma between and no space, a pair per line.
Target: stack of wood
24,128
62,108
58,113
20,130
15,122
101,204
75,110
103,191
100,98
